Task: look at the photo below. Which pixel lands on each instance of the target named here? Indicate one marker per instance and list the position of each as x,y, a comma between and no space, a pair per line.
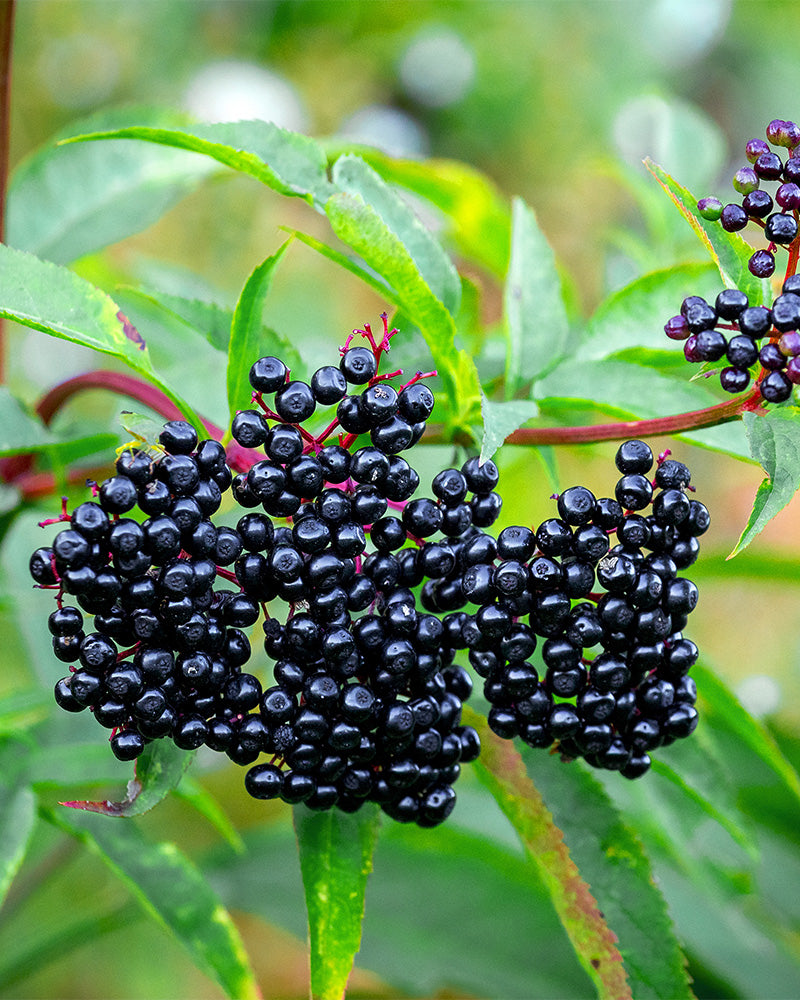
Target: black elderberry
762,264
328,385
576,505
780,228
295,402
776,387
358,365
633,491
415,403
481,477
730,302
249,428
733,218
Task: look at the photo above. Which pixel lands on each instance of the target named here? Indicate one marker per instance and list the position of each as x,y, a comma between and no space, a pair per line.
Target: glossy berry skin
295,402
576,505
268,374
358,365
634,457
328,385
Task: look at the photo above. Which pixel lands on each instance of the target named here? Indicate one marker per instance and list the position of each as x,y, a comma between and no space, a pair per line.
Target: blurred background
557,101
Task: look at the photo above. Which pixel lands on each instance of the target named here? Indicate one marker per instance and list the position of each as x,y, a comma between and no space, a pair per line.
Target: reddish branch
18,468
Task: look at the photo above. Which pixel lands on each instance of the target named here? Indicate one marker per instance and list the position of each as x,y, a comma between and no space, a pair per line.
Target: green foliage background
566,100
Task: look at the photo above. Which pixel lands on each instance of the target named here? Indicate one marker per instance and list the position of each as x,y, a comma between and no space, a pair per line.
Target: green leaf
17,819
203,801
501,419
352,174
424,883
502,770
158,770
78,764
728,250
68,201
22,709
706,804
20,432
348,264
610,857
335,858
475,211
43,296
289,163
774,440
172,891
635,315
211,320
724,709
360,227
535,315
181,354
246,343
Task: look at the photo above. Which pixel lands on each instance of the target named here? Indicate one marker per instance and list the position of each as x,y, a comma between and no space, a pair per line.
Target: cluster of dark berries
780,225
364,700
615,681
731,329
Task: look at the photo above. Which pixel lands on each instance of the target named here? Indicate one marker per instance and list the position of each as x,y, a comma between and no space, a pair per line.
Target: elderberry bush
616,663
364,698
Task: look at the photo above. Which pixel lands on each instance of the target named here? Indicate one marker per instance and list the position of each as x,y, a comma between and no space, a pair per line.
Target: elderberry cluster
732,328
615,681
364,699
757,205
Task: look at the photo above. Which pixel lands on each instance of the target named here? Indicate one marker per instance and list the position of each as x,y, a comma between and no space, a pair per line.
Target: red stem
720,413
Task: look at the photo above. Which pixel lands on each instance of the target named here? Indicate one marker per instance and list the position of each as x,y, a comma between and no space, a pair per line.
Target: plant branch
676,423
17,469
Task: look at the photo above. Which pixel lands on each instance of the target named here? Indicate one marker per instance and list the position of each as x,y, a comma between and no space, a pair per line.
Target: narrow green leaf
22,709
503,771
210,319
43,948
79,764
46,297
728,250
158,770
20,432
611,859
423,884
68,201
171,890
635,315
774,440
246,341
352,174
348,264
17,819
706,805
476,213
501,419
723,708
535,315
335,858
203,801
289,163
360,227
